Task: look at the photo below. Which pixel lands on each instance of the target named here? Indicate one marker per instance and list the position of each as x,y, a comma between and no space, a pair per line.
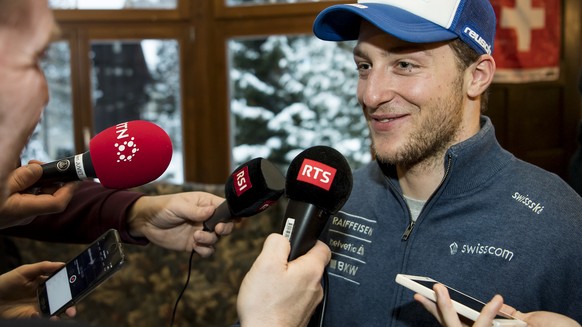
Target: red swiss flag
528,35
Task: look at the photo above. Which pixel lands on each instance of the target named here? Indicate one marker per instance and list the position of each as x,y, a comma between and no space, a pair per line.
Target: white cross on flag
528,40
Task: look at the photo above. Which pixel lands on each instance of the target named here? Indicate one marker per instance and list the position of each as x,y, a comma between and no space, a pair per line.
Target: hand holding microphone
318,183
297,284
20,208
126,155
251,188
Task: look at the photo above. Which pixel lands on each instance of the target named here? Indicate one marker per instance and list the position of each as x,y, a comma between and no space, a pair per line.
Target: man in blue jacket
442,199
171,221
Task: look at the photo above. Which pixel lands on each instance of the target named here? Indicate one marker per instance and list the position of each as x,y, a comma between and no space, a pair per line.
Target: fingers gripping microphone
122,156
318,183
253,187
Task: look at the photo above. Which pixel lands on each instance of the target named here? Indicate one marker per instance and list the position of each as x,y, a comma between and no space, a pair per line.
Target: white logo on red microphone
128,149
242,181
316,173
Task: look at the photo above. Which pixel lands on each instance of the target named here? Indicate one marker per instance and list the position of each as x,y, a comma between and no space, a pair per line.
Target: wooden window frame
203,28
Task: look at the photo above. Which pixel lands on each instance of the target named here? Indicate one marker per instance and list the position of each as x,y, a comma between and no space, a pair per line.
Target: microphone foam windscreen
253,187
321,176
130,154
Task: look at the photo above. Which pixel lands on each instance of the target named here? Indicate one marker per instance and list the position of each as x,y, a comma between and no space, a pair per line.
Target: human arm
174,221
278,293
92,206
444,312
21,207
545,319
18,290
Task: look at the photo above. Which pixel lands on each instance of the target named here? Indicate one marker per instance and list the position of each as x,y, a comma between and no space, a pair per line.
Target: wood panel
537,121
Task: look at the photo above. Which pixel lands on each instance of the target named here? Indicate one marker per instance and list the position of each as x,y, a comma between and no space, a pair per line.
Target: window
263,2
289,93
188,66
139,80
53,137
113,4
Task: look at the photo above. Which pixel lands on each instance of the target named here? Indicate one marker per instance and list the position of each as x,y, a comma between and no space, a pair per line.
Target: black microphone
251,188
318,183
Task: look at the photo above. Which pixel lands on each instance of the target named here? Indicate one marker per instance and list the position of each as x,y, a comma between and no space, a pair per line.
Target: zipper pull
408,231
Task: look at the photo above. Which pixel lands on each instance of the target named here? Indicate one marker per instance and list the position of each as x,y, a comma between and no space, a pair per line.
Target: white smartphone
465,305
80,276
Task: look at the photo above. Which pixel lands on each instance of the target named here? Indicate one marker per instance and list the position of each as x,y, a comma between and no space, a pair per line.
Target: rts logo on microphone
242,181
316,173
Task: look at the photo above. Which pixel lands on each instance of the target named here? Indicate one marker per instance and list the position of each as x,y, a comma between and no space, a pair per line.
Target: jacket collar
468,164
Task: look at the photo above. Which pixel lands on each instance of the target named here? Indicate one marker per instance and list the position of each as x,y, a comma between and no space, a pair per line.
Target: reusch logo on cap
242,181
477,39
316,173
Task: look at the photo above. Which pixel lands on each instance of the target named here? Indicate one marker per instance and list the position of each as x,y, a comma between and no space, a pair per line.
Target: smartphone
465,305
81,275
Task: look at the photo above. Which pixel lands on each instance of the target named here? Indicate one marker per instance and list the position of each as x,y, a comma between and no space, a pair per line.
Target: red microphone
126,155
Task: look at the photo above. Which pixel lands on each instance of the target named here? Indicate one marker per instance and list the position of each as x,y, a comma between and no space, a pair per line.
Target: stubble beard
432,137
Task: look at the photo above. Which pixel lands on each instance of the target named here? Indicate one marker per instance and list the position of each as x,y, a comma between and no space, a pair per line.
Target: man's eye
405,65
363,66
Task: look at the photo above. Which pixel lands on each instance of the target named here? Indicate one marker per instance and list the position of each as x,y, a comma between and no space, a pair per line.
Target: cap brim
342,23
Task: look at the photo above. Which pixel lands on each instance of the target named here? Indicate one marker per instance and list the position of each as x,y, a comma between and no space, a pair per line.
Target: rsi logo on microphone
126,149
242,181
316,173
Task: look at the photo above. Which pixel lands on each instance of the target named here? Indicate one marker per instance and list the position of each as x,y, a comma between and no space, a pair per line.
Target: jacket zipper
408,230
411,224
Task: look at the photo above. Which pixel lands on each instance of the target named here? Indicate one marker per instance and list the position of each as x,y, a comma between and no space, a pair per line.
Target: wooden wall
538,121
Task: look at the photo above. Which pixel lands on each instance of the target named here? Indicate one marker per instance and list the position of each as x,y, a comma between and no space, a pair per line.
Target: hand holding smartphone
81,275
464,304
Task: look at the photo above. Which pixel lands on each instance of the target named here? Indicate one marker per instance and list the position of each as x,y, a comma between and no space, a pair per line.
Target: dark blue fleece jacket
496,224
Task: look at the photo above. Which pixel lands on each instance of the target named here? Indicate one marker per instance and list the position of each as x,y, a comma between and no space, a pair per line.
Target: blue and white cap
417,21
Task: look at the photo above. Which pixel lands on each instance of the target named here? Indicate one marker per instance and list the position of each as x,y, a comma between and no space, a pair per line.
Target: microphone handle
303,225
221,214
74,168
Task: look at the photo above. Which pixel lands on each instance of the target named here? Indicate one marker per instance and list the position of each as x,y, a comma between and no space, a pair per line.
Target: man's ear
481,75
